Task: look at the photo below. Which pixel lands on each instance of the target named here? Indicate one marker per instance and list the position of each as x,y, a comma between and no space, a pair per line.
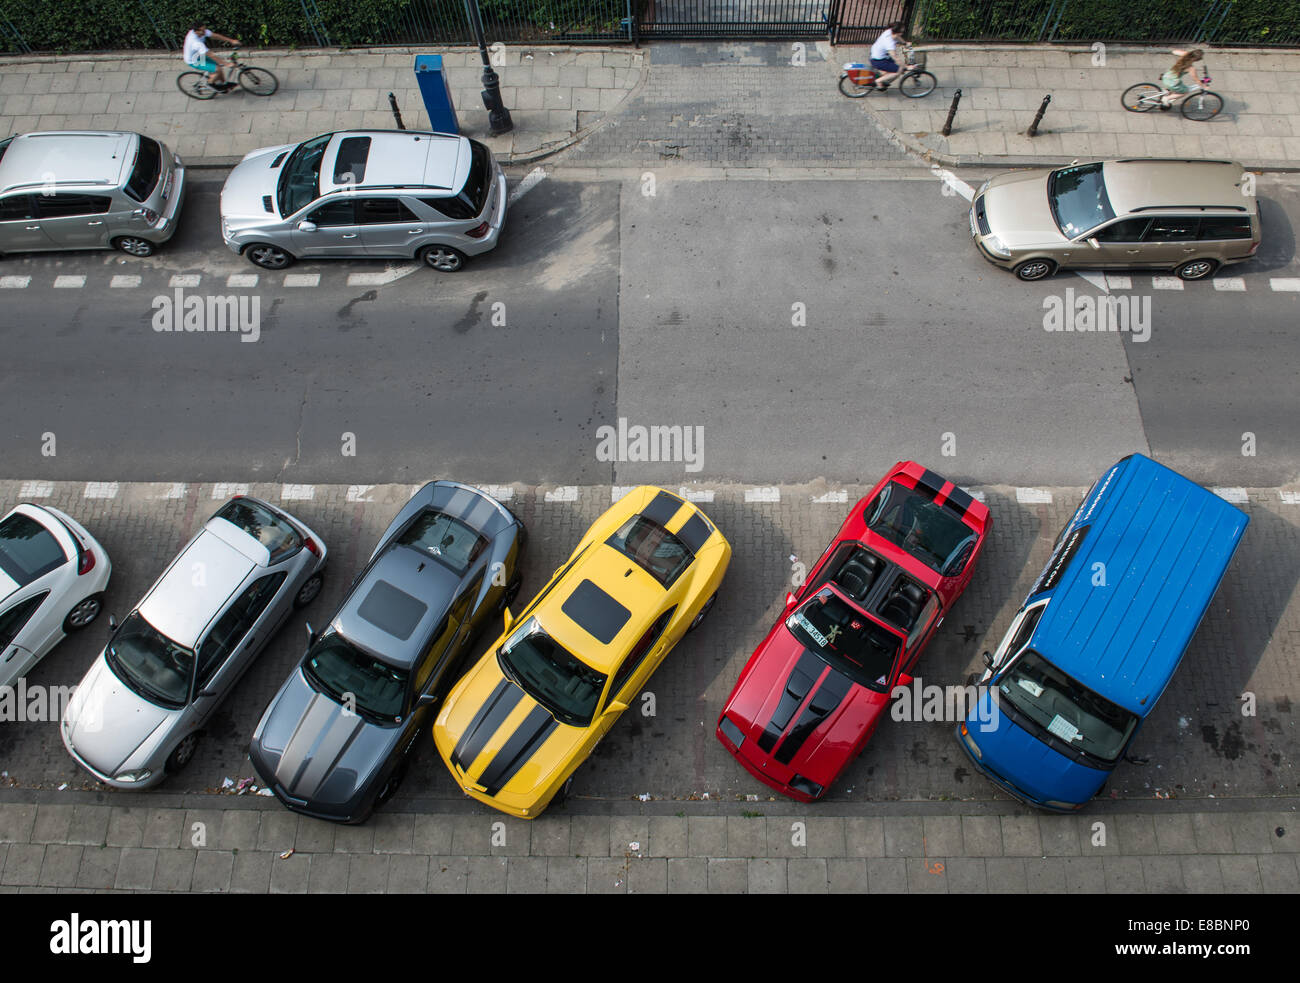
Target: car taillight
87,563
311,545
148,214
478,232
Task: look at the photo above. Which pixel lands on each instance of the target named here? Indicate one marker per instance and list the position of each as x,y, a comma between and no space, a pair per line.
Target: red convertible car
814,690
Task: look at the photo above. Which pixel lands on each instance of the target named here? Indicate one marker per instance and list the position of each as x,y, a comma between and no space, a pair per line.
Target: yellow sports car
527,715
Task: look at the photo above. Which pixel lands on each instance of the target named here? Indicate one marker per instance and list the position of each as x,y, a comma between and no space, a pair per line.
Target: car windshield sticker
807,626
1063,729
1032,687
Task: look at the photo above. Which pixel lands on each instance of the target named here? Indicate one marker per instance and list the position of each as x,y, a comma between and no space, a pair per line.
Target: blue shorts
206,65
884,64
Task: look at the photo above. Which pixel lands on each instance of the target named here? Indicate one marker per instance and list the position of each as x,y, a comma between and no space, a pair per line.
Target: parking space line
297,493
978,496
301,279
241,280
69,282
14,282
1289,284
617,492
832,498
1166,283
1237,496
100,489
1290,497
565,493
1033,496
359,493
530,181
502,493
764,495
185,280
382,278
1115,282
228,489
174,490
36,489
1233,283
701,496
125,281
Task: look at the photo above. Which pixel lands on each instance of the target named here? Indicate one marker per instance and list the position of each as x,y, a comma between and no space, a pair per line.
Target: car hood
107,722
314,749
1016,207
251,180
782,739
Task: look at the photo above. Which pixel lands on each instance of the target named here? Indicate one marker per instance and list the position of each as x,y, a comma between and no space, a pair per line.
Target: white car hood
106,722
251,180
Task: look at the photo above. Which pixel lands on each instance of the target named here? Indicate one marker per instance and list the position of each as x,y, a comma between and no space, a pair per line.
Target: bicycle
258,81
858,80
1198,104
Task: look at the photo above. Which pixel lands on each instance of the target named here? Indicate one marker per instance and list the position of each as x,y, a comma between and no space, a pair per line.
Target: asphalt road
675,310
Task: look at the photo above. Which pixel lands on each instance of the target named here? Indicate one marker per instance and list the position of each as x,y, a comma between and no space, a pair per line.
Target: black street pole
499,120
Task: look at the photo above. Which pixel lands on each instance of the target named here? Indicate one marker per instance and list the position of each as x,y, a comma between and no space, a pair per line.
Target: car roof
404,593
401,158
197,586
74,157
1166,542
1146,184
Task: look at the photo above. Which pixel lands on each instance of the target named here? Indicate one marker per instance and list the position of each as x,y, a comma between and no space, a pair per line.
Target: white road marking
359,493
502,493
978,496
228,489
125,281
1098,280
953,181
530,181
1237,496
69,282
617,492
297,493
1115,282
701,496
1166,283
302,279
1033,496
241,280
36,489
762,495
831,498
100,489
1289,284
380,279
173,490
1290,497
1232,283
565,493
185,280
14,282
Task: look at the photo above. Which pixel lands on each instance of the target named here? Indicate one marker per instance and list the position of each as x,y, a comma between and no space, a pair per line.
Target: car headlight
997,247
804,785
132,776
731,732
225,227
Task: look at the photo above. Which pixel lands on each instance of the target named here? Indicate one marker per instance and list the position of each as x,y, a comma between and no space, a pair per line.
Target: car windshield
356,680
912,521
553,676
300,179
846,639
1065,708
27,550
1078,198
271,530
150,663
447,540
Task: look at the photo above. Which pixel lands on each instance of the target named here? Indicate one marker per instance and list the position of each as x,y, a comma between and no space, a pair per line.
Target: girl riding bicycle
1172,80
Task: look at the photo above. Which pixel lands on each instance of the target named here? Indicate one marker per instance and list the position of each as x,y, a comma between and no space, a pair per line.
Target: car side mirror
614,708
1092,241
112,622
311,635
426,700
790,600
904,679
988,659
305,226
509,620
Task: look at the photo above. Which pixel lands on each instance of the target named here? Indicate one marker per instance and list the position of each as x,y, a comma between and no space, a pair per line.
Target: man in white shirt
196,54
882,54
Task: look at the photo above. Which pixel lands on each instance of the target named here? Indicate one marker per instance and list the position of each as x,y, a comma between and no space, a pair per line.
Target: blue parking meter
436,92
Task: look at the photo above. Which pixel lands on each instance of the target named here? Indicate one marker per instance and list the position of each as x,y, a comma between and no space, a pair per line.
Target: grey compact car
435,197
137,714
1188,216
88,190
335,741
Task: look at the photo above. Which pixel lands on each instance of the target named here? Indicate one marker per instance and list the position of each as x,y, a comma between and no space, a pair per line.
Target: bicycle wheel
195,85
917,84
852,89
258,81
1141,98
1201,106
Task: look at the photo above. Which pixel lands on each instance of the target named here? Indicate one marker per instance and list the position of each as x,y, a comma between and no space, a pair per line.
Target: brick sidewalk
1003,86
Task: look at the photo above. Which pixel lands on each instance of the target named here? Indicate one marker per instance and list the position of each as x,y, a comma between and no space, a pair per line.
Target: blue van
1100,634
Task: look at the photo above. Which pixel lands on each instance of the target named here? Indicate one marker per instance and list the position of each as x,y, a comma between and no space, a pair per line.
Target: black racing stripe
828,697
802,678
490,716
526,739
959,501
931,482
695,532
662,509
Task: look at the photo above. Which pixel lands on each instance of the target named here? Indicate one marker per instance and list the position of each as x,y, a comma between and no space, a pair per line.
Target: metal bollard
397,115
952,111
1033,127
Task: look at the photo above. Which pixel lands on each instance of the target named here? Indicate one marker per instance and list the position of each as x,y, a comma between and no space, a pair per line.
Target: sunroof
350,162
595,612
392,610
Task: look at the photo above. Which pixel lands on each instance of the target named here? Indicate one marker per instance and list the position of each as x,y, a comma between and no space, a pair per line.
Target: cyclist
882,54
196,54
1172,80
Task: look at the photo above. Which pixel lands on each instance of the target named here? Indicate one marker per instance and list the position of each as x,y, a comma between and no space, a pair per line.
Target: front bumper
762,776
1006,786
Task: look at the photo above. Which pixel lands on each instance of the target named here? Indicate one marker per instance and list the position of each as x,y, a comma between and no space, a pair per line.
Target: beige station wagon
1188,216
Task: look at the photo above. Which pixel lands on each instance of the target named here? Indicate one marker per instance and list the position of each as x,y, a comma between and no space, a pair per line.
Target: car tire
394,782
562,796
1035,269
83,614
309,591
708,606
444,259
267,256
134,246
1197,269
182,754
512,591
